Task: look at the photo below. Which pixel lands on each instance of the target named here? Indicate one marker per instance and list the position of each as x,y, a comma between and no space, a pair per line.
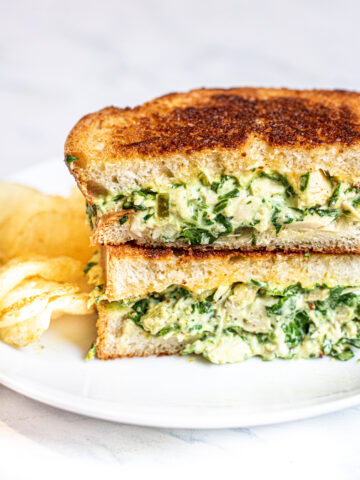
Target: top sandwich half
246,168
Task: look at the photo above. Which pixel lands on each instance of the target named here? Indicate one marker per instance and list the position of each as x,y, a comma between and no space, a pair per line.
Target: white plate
167,391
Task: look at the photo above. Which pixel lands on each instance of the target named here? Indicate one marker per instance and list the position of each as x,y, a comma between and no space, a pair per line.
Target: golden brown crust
217,119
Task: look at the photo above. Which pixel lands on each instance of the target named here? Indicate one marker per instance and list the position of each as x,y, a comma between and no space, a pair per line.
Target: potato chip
27,307
32,223
62,269
30,330
44,245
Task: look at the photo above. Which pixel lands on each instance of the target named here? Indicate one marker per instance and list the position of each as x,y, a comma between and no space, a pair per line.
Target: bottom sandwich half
225,305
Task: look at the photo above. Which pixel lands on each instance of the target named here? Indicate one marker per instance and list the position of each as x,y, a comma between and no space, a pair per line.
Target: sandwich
225,305
243,168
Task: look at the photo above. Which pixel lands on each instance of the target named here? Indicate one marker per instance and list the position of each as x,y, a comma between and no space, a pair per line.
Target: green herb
327,346
204,307
277,177
178,292
123,219
344,355
70,158
147,216
354,342
232,194
89,266
129,205
304,181
322,212
220,205
260,284
335,195
254,240
197,236
356,201
225,221
285,306
294,289
91,214
138,310
203,179
119,197
296,330
91,354
206,220
307,255
216,186
274,220
336,298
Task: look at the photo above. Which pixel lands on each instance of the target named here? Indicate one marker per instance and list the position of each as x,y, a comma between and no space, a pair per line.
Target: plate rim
236,420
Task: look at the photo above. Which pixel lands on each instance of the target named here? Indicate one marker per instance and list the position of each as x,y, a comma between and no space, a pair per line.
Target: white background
61,60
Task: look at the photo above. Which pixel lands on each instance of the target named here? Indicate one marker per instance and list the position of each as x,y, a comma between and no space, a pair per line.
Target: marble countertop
60,60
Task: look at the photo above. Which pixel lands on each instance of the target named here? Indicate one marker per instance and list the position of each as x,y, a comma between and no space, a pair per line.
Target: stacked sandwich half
227,221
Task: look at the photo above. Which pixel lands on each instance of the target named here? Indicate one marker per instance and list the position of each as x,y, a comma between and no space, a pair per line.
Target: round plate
168,391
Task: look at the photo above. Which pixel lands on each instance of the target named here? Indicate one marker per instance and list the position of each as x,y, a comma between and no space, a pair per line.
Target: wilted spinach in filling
231,324
205,210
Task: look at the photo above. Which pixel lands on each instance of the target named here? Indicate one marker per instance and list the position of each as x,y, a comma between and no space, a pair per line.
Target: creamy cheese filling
205,210
233,323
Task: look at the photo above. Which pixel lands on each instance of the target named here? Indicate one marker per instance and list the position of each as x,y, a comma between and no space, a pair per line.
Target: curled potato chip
28,331
62,269
27,307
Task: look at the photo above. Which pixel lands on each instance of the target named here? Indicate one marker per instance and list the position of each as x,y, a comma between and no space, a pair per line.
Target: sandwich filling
234,323
203,211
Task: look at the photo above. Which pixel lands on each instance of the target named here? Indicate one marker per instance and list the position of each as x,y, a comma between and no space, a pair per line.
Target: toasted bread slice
135,271
173,139
176,136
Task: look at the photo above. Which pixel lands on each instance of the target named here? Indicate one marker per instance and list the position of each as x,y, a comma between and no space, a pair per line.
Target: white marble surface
59,60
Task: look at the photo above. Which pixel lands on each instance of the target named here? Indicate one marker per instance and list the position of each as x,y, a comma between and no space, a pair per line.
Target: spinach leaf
203,179
343,355
119,197
197,236
204,307
139,309
356,201
232,194
89,266
123,219
206,220
91,212
285,306
225,221
322,212
335,195
147,216
296,329
277,177
70,159
218,207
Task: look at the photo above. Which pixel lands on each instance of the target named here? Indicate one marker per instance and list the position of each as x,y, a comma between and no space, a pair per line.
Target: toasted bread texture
134,271
174,137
